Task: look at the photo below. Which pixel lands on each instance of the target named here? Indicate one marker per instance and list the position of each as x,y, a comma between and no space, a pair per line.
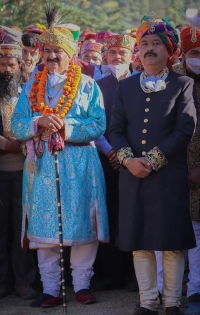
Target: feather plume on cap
193,17
53,16
56,34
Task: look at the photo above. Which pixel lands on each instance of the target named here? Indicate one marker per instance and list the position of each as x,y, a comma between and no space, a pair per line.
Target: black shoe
137,305
42,298
174,310
194,298
3,292
145,311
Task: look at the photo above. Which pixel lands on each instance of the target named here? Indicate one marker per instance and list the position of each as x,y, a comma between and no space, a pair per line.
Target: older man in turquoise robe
82,188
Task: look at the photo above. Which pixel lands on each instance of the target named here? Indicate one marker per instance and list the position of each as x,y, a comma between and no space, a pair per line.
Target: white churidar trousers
146,273
82,259
160,268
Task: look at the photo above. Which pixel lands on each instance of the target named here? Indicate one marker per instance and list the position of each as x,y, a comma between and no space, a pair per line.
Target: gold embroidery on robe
156,158
124,153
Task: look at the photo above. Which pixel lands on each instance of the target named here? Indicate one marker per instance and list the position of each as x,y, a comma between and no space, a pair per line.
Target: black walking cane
60,233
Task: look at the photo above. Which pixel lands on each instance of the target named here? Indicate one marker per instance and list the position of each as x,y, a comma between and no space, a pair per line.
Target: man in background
190,44
22,262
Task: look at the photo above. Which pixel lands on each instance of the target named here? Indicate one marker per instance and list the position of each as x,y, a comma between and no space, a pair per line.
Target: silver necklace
50,97
47,89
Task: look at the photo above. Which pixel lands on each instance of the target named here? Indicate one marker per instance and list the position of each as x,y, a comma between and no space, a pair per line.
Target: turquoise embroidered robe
82,186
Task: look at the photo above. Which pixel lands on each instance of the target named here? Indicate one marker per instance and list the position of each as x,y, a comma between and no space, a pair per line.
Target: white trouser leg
173,269
194,263
146,273
82,260
49,265
159,270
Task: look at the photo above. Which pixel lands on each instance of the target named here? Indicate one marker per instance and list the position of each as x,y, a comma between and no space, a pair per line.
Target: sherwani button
146,110
144,142
144,131
146,120
144,153
148,99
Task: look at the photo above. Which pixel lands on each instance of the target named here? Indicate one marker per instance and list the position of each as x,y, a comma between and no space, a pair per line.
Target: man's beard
9,84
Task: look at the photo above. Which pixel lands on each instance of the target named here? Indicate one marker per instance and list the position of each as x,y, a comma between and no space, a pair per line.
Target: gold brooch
194,35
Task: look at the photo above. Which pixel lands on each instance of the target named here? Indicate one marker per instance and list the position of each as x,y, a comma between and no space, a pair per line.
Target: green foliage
116,15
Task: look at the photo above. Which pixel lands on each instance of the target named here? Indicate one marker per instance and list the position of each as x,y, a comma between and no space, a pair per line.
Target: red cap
190,38
102,36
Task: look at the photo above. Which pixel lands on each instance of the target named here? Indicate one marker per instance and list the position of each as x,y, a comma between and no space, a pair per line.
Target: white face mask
119,70
56,78
193,64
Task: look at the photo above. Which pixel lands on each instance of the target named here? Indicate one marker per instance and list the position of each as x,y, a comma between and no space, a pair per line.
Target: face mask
154,84
94,64
56,78
119,70
193,64
105,70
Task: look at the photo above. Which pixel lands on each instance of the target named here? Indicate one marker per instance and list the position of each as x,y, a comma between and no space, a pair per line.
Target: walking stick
60,233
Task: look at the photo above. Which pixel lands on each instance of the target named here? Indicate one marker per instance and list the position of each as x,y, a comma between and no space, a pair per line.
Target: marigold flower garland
70,89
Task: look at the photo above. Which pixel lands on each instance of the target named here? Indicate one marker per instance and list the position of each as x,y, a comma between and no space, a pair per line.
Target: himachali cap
103,36
93,46
36,28
57,35
124,41
161,27
10,42
190,38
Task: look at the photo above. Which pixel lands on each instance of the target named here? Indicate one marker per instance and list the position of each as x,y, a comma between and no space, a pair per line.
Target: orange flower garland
70,89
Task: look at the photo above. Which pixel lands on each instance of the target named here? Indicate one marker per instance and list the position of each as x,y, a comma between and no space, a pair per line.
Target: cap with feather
56,35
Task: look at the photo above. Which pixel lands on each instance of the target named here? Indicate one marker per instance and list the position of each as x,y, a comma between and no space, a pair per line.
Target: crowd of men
100,143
